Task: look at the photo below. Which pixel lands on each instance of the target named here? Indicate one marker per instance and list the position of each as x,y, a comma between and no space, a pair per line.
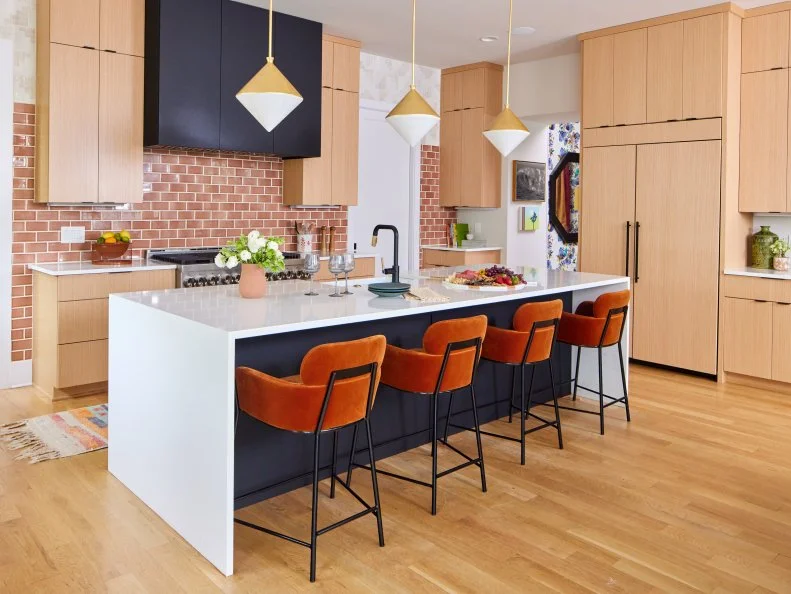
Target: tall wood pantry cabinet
331,179
89,101
470,166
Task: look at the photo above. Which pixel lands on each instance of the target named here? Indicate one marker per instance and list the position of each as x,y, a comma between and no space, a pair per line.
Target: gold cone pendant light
268,96
413,117
507,131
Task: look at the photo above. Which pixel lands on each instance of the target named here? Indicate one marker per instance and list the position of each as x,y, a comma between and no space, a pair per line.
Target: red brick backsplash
190,199
434,219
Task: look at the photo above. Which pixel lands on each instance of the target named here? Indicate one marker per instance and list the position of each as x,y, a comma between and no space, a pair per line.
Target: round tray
389,289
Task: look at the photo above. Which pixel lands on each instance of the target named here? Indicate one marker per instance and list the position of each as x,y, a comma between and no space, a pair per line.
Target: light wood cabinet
331,179
111,25
703,66
72,22
437,257
67,150
748,337
364,267
597,82
781,342
665,62
629,77
89,105
120,128
675,295
470,173
607,221
70,327
765,42
764,141
123,26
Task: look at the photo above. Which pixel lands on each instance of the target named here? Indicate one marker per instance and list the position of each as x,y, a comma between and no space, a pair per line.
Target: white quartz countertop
445,248
759,273
72,268
356,256
287,309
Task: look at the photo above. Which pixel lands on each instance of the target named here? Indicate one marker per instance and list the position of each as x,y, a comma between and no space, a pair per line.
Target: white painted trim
21,374
6,183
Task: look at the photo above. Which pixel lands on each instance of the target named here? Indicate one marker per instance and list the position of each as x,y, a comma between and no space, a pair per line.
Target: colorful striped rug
58,435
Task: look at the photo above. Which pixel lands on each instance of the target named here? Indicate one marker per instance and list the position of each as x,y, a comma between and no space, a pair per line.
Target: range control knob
189,283
214,281
236,278
201,282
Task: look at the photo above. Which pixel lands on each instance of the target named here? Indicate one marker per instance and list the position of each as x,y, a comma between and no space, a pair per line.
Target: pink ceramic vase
252,284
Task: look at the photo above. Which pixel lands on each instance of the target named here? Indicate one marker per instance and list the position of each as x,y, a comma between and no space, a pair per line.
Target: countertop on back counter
445,248
87,267
759,273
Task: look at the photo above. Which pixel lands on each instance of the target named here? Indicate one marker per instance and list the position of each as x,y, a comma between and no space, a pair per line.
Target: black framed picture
530,181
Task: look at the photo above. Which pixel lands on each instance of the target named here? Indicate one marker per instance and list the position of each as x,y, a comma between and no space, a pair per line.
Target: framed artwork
530,181
564,197
528,218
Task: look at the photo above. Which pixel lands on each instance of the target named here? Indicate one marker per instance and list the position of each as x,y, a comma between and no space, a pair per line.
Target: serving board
487,288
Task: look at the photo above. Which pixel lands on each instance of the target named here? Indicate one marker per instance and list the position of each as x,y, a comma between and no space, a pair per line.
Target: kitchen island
175,439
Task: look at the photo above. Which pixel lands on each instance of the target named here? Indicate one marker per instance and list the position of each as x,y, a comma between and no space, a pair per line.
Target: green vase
762,255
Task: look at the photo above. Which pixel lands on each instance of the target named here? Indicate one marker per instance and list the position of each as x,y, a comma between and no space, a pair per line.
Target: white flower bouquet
253,248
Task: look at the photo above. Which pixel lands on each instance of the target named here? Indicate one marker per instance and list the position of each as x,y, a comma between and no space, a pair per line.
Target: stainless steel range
196,268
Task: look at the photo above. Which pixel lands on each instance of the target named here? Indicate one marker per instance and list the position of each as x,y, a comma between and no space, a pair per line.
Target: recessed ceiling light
523,31
489,38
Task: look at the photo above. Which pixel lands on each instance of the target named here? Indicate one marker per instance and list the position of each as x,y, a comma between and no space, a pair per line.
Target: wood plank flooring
693,496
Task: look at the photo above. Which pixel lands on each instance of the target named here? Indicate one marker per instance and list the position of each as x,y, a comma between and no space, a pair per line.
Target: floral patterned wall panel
563,138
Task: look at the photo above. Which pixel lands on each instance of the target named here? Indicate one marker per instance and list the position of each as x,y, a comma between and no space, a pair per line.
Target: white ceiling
449,30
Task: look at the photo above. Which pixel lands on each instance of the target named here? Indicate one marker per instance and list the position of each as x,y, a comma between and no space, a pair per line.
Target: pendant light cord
414,19
508,68
269,57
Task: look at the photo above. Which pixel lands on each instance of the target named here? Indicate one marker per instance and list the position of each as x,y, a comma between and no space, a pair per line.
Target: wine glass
348,266
311,265
336,267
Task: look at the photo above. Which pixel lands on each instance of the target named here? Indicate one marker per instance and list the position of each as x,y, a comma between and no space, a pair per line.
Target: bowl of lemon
111,245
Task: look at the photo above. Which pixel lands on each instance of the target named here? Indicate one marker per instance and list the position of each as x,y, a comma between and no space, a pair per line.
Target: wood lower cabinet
364,267
70,327
676,279
763,180
781,342
748,337
436,257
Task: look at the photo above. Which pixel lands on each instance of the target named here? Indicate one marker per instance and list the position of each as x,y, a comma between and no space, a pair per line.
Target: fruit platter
494,278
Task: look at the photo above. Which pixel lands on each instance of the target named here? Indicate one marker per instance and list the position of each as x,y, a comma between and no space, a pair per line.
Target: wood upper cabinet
597,82
607,220
764,141
120,128
765,42
704,39
345,147
480,183
346,67
123,26
473,84
664,80
72,22
451,96
748,341
781,346
327,61
629,77
450,158
68,148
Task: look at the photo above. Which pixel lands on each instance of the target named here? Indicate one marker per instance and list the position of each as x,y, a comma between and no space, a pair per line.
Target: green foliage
780,248
253,248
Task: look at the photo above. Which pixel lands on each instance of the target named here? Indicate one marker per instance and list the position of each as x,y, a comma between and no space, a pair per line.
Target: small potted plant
257,255
780,249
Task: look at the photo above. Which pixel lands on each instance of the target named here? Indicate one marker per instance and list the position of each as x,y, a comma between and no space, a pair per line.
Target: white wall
6,152
499,226
547,90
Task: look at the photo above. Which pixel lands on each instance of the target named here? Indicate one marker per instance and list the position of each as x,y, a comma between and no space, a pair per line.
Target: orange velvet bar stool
446,363
598,325
531,342
335,389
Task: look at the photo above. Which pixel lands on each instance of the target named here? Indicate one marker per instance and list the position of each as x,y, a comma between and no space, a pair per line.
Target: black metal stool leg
434,398
314,520
526,411
351,456
478,436
555,401
334,463
374,482
625,389
577,373
447,419
601,393
511,397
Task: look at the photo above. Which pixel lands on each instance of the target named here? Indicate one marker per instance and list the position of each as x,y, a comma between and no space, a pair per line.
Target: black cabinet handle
628,231
636,252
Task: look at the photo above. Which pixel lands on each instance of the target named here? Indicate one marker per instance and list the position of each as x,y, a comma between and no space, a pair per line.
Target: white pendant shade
507,132
413,117
269,97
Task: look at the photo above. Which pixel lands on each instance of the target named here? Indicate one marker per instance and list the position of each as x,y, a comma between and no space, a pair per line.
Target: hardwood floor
693,496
